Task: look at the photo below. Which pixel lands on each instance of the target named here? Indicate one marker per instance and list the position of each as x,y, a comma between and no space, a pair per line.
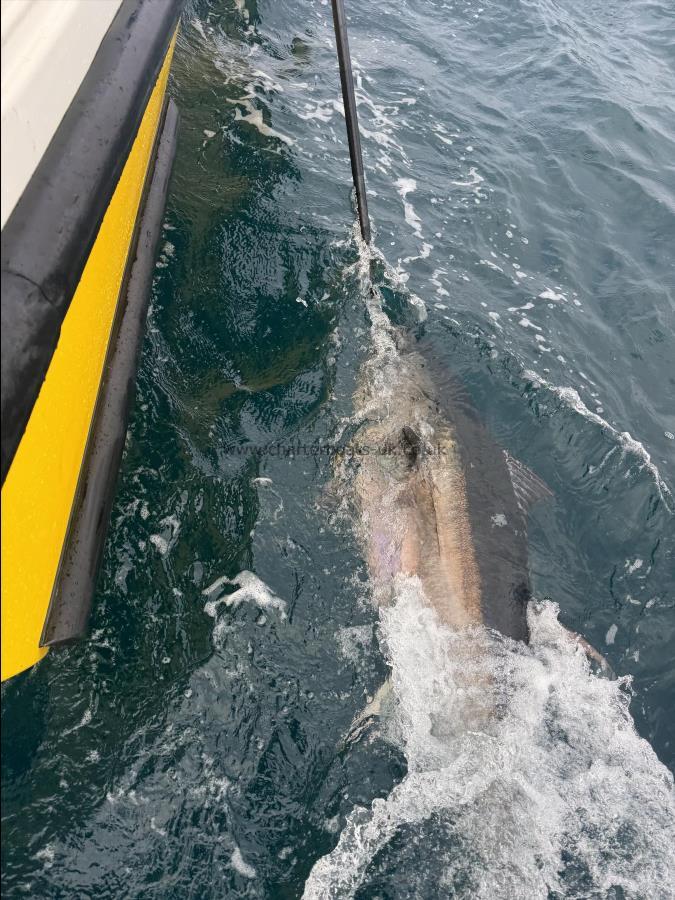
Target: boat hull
61,469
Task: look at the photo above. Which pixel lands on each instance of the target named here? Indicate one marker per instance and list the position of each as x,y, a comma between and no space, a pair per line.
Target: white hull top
47,48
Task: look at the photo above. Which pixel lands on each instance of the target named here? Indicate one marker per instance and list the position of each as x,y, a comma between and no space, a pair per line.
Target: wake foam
552,795
629,445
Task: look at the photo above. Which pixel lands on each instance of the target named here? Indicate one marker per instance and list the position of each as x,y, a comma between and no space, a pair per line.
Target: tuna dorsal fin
528,487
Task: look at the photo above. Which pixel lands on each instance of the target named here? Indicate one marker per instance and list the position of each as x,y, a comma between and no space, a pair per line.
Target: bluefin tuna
440,504
437,499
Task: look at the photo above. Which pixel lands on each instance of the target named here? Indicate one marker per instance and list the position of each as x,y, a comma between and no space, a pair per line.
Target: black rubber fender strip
48,237
70,604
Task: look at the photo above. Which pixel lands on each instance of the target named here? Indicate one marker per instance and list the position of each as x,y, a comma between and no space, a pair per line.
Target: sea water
518,160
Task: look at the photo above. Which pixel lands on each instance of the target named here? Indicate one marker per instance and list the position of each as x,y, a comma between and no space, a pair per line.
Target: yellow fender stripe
40,488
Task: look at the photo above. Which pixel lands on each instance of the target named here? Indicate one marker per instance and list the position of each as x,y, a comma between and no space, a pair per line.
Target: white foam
548,294
551,794
491,265
87,716
219,582
473,180
354,640
255,117
165,541
442,133
46,855
241,866
424,253
435,280
323,111
250,589
419,305
406,186
274,85
197,25
160,543
156,828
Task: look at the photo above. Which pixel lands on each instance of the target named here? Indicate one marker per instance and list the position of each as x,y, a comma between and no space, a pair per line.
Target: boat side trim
44,482
70,604
49,235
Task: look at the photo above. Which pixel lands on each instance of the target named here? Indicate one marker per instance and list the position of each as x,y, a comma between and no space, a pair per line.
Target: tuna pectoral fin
595,657
528,487
379,707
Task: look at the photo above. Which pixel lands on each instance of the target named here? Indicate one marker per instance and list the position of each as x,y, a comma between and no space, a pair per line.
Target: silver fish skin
434,494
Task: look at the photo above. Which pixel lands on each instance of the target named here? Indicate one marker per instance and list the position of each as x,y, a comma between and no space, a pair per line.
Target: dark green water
519,158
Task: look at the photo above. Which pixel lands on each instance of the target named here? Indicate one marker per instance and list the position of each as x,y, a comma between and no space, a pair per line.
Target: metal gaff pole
349,100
